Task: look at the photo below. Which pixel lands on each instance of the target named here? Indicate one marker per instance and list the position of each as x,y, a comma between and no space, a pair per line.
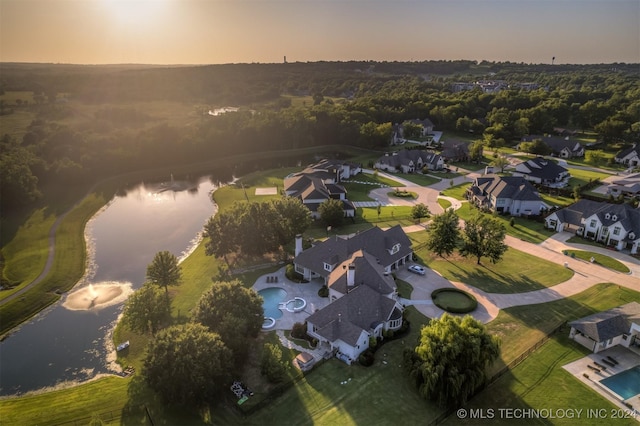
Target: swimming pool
272,296
625,384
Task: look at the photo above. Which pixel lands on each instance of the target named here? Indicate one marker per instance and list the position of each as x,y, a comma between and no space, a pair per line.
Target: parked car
417,269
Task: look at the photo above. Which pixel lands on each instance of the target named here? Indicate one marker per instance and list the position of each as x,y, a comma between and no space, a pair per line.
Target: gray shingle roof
556,143
609,324
367,272
625,152
544,169
513,187
347,317
628,217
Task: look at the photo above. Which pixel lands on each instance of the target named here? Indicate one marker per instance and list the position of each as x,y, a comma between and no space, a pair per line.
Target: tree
449,363
164,271
271,364
500,161
232,311
483,236
475,151
146,310
419,211
537,147
187,364
444,233
594,157
293,219
331,212
411,130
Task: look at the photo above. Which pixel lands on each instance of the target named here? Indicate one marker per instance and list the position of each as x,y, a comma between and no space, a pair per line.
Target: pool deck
626,359
307,291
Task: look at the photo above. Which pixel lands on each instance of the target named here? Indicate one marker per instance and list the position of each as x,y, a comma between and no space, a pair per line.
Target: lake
61,345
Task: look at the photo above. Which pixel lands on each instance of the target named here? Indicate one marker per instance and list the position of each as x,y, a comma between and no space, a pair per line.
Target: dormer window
607,216
395,249
614,218
327,267
632,235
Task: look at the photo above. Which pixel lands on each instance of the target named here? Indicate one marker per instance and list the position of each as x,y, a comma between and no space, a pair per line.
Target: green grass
68,266
582,177
401,193
26,254
458,192
517,271
419,179
600,259
245,188
445,204
404,289
370,396
16,124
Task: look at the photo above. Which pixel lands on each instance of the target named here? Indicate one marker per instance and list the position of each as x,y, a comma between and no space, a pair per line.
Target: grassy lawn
582,177
457,191
404,289
420,179
531,383
516,272
369,396
600,259
245,187
68,266
556,200
445,204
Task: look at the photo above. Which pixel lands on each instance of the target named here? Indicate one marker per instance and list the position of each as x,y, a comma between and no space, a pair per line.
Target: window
616,230
593,223
395,248
327,267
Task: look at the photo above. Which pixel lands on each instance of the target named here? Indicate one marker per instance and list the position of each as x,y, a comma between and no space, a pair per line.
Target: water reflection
71,340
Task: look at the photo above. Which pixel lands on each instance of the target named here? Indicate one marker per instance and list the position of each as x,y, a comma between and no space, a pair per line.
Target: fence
524,355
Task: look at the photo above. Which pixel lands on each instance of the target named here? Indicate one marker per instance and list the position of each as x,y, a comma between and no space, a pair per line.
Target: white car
417,269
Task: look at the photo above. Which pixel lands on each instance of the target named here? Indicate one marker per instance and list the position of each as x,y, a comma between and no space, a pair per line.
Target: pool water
272,296
295,304
625,384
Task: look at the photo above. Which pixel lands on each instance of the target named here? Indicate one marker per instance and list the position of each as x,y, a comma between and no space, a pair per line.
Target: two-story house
409,161
364,304
616,225
629,157
508,194
542,171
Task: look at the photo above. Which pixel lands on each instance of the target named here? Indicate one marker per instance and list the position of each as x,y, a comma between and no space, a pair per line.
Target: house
544,172
391,247
629,157
321,181
629,186
455,150
617,326
616,225
562,147
409,161
364,304
398,136
513,195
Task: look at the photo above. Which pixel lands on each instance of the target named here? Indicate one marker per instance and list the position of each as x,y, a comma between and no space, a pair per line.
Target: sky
265,31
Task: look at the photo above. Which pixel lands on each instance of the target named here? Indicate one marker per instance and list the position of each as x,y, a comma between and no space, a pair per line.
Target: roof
625,152
512,187
373,241
358,311
542,168
556,143
607,214
304,357
454,149
609,324
367,272
405,156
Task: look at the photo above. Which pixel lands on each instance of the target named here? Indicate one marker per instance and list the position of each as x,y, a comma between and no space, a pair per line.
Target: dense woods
89,122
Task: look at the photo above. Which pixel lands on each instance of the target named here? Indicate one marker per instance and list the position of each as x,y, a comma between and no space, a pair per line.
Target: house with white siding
409,161
505,194
615,225
617,326
544,172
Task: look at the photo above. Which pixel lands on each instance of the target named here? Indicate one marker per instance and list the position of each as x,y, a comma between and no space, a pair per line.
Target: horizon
219,32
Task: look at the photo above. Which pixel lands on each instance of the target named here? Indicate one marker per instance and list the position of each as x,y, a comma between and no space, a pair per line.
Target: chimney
351,275
298,244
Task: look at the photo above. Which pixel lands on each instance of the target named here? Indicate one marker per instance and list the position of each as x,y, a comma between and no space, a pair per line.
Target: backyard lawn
582,177
599,259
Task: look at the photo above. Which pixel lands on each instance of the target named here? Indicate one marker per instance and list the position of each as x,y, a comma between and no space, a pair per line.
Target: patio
626,359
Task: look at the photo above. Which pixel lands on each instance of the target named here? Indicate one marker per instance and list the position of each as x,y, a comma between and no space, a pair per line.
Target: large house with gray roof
364,304
562,147
505,194
615,225
617,326
320,182
629,157
409,161
544,172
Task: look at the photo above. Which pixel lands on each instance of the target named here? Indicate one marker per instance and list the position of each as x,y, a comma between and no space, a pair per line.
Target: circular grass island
454,300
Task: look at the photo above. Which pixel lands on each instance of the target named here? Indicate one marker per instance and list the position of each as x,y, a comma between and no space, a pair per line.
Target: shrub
291,274
324,291
366,358
512,221
299,331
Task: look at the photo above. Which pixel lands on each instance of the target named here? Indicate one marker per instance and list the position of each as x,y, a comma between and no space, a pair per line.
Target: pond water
71,341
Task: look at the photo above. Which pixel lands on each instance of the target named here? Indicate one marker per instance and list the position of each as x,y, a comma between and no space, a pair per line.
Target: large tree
233,311
187,364
444,233
449,363
147,309
331,212
164,271
483,236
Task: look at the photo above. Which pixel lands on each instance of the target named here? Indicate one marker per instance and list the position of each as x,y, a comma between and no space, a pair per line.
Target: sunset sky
215,31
